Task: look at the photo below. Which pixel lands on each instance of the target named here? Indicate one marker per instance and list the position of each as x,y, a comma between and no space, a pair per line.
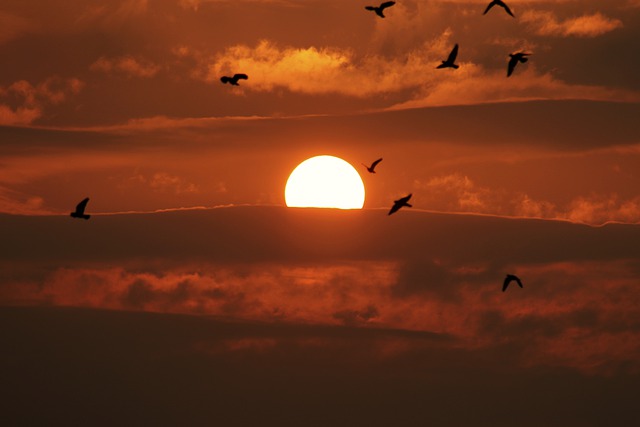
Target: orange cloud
458,193
547,24
329,70
25,102
336,70
163,181
554,318
127,65
12,26
478,86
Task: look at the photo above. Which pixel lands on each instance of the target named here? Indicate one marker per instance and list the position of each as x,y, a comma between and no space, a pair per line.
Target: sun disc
324,182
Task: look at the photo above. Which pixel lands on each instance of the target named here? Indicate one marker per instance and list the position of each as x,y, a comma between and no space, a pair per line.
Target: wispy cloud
546,23
127,65
458,193
21,103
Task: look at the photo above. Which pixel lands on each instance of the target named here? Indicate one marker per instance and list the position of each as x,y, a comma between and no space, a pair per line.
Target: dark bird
378,10
515,58
371,168
234,80
510,278
79,213
400,203
449,63
498,3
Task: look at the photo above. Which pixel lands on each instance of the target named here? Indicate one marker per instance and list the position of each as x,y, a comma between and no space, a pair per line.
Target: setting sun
324,182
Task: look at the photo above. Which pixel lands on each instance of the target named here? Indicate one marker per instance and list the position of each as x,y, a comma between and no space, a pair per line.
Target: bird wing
82,206
225,79
512,64
374,164
519,282
387,4
370,8
507,8
240,76
395,207
488,8
505,284
453,54
403,200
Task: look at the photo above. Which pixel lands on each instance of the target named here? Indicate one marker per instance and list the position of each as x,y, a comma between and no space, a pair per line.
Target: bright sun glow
324,182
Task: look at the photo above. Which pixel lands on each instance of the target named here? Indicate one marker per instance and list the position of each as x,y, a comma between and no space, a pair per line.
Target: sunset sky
194,296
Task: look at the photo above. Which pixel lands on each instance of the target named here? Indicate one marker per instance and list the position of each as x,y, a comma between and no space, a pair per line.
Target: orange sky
242,303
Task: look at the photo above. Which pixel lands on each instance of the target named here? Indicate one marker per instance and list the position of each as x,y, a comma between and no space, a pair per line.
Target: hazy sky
193,295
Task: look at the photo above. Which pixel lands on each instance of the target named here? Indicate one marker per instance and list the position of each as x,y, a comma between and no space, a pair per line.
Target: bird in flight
234,80
79,212
371,168
498,3
510,278
400,203
378,10
515,58
450,62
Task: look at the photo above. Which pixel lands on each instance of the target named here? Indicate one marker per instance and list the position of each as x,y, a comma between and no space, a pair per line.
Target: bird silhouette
400,203
515,58
79,212
498,3
510,278
371,168
234,80
449,63
378,10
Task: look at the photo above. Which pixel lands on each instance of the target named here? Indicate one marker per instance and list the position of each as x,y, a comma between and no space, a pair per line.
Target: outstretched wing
82,206
225,79
517,279
370,8
395,207
507,8
454,53
374,164
505,284
387,4
488,8
403,200
237,77
512,64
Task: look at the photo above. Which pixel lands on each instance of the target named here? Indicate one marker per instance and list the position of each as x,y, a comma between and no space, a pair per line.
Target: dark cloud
177,369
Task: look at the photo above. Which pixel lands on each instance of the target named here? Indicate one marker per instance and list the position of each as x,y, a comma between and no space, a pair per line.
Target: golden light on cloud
324,182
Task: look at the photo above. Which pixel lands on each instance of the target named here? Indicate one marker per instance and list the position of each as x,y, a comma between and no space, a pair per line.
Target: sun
324,182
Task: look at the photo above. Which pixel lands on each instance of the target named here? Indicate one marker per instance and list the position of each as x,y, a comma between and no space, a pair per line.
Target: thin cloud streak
545,23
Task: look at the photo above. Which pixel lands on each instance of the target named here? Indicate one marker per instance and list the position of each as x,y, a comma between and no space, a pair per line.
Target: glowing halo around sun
324,182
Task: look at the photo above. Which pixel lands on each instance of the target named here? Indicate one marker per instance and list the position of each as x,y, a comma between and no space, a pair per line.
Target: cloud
458,193
576,315
24,103
480,86
599,209
545,23
12,26
163,181
327,70
341,71
126,65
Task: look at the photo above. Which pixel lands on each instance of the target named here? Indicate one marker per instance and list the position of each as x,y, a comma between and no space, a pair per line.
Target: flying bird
510,278
400,203
515,58
234,80
79,212
371,168
378,10
449,63
498,3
